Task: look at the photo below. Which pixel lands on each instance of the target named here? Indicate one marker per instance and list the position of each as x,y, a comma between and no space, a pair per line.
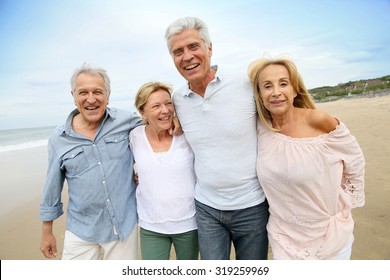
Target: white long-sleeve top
165,194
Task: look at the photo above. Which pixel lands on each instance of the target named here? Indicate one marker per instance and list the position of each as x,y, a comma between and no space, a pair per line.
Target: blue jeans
246,228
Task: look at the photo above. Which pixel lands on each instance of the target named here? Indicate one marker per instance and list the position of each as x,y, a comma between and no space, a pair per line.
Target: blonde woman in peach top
310,167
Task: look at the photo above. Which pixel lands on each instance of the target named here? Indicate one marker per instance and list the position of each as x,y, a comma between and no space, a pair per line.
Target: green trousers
157,246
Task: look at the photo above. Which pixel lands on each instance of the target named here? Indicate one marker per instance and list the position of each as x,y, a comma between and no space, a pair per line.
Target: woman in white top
165,193
310,167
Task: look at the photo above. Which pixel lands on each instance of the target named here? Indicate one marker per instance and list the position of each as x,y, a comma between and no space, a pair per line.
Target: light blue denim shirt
99,174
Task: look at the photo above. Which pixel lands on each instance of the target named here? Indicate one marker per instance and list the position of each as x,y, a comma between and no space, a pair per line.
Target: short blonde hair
303,98
146,90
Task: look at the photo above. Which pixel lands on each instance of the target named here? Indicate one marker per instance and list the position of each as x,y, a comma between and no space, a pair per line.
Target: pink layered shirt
311,185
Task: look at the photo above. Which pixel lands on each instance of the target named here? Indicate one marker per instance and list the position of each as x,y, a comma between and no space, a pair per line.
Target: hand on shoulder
322,121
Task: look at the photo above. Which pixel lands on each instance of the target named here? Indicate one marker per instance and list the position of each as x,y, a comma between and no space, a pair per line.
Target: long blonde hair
303,98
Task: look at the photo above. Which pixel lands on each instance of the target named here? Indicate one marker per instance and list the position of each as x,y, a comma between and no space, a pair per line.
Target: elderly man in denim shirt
91,152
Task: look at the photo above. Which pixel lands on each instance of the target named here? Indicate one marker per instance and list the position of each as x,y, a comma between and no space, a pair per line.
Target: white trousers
346,251
78,249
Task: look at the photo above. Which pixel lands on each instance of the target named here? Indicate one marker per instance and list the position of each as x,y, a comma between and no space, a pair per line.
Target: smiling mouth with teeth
190,67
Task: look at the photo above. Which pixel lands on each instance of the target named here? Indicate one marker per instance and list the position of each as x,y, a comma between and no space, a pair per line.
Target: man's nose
187,55
91,97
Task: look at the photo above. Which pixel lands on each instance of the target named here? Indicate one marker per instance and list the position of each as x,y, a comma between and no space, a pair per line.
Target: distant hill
352,89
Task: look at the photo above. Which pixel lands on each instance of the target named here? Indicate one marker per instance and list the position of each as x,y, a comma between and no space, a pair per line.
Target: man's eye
177,53
194,47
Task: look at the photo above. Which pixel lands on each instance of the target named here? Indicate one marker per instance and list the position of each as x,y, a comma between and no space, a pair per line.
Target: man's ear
73,98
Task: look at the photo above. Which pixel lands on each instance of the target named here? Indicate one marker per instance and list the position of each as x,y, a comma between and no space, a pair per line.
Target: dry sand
367,119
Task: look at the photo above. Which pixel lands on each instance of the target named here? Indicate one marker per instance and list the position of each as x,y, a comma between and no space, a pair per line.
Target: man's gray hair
182,24
86,69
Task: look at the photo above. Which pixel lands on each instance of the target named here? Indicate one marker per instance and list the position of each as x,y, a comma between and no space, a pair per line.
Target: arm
51,205
351,155
354,172
349,151
176,127
135,172
48,245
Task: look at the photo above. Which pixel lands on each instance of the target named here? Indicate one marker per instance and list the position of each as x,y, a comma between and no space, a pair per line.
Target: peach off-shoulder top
311,185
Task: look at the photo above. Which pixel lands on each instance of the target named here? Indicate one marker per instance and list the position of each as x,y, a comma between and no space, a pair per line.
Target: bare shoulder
322,121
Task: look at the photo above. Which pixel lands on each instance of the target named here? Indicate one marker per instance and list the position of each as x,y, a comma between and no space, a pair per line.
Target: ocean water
25,138
23,167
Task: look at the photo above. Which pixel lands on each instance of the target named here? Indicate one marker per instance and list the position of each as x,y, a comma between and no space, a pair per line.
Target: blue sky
43,41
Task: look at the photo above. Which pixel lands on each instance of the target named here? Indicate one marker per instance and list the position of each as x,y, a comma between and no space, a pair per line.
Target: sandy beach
23,174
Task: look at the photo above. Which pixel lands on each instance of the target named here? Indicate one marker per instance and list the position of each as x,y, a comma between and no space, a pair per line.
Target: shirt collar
187,91
68,124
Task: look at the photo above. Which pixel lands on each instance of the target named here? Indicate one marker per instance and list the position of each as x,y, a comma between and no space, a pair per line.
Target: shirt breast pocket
117,145
74,162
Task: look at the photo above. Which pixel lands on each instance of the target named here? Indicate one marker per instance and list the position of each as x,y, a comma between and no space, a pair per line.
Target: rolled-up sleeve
51,206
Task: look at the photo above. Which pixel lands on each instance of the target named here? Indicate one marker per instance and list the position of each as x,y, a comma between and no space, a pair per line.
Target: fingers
177,130
49,252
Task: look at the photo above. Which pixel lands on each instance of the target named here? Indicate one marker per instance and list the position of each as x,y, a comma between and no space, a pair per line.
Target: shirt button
108,200
103,182
99,162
